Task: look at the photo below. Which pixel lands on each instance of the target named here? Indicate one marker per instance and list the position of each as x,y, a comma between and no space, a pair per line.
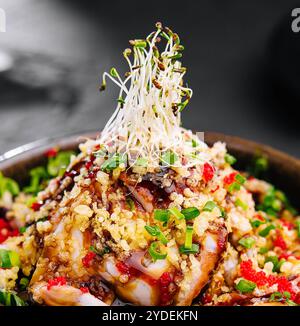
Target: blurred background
242,58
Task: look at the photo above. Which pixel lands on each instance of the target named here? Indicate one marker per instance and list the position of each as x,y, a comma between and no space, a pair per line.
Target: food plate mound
147,213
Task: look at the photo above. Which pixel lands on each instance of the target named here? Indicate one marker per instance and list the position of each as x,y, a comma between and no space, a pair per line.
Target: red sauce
261,279
124,268
208,172
164,282
57,281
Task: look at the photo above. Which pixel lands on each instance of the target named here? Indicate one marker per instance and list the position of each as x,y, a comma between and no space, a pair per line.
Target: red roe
288,224
286,255
261,279
84,289
230,178
36,206
57,281
88,165
87,259
6,231
259,217
208,172
125,269
207,298
279,242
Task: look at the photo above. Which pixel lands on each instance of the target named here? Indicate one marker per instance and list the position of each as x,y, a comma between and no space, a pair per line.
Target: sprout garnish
147,120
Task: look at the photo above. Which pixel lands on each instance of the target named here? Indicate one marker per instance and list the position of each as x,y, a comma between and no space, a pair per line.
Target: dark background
243,64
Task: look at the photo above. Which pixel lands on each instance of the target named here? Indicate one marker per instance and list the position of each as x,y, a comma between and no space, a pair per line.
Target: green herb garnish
176,212
230,159
169,158
240,203
155,253
247,242
7,184
209,206
188,237
156,232
194,249
245,286
264,232
190,213
9,259
113,162
162,215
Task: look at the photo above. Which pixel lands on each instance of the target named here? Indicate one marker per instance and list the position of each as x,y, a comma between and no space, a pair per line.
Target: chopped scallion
245,286
240,203
247,242
176,212
209,206
264,232
190,213
161,215
155,253
188,237
194,249
230,159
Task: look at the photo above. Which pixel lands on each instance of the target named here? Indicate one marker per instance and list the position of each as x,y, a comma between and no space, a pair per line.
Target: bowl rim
235,142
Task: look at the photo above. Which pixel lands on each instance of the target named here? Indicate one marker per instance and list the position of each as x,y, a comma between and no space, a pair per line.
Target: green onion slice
188,237
230,159
298,228
239,178
10,299
240,203
190,213
247,242
23,283
263,250
156,232
264,232
209,206
245,286
113,162
9,259
7,184
155,252
234,187
194,249
176,212
169,158
274,260
161,215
